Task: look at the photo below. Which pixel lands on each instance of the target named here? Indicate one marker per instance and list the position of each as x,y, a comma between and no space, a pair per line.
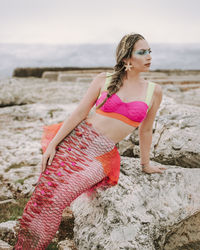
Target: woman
80,153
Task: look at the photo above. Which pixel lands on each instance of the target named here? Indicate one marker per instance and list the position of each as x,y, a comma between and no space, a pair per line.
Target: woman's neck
133,78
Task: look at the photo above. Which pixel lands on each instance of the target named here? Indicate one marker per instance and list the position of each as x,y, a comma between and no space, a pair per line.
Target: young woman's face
141,56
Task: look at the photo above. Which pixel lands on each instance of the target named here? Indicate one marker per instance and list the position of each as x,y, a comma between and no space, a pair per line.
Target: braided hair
123,51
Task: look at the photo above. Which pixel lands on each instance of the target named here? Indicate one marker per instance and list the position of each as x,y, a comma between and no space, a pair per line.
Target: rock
67,212
141,211
175,138
179,80
37,72
185,235
7,231
66,226
126,147
29,103
66,245
183,94
63,77
8,201
50,75
75,77
5,246
84,79
21,157
5,192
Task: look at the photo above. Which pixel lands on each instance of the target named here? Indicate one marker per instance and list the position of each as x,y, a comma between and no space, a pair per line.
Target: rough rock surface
66,245
175,137
141,211
29,103
7,232
4,245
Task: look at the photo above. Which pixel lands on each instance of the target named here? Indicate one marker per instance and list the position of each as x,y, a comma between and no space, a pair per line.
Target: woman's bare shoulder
101,77
158,93
158,89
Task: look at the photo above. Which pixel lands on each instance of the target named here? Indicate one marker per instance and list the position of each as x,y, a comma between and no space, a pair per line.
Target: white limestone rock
140,211
7,233
66,245
5,246
175,138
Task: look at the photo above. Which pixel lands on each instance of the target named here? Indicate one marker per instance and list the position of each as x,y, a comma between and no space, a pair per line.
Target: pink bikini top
132,113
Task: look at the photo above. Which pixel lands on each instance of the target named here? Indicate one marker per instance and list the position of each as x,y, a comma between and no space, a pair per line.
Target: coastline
38,71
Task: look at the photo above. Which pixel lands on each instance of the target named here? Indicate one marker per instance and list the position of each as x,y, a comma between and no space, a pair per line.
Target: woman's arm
81,111
75,118
146,127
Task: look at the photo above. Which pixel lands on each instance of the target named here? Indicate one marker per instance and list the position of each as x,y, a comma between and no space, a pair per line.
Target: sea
164,56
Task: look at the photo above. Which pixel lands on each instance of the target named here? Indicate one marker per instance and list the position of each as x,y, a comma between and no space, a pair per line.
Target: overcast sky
98,21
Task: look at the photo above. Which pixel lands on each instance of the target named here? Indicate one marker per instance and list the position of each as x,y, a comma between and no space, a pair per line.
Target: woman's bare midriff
113,129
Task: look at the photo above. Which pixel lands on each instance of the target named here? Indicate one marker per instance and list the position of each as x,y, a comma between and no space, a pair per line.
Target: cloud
90,21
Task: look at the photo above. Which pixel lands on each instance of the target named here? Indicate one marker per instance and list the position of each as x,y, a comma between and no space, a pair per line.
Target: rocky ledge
143,211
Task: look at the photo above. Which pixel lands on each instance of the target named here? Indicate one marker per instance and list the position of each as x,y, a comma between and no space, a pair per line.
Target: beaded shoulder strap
150,89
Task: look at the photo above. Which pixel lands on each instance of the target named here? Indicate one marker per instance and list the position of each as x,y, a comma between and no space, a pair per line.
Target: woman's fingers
44,162
50,159
47,160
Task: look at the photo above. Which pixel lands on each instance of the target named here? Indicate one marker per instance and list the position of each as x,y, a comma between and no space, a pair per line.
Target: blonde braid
124,50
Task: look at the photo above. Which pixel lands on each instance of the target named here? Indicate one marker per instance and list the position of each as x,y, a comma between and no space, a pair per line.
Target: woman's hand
153,169
48,155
